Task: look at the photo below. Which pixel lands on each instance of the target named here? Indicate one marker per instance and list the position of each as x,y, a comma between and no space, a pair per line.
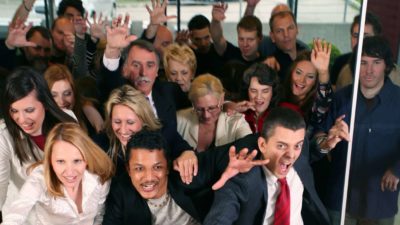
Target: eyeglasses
211,109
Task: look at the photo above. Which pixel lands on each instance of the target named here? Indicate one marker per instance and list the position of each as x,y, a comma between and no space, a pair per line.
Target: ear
125,72
262,145
271,35
222,98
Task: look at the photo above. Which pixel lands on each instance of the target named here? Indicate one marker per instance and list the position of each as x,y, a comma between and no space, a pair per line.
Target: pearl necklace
152,202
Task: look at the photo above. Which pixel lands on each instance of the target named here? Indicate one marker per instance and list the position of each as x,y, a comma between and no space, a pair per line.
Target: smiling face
149,172
260,95
208,108
304,77
28,113
282,148
141,69
125,123
68,164
248,42
63,94
180,73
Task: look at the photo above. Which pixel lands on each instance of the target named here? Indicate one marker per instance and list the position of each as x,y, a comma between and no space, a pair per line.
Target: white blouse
58,210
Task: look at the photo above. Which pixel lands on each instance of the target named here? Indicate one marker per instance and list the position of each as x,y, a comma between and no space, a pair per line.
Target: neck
292,53
370,93
252,57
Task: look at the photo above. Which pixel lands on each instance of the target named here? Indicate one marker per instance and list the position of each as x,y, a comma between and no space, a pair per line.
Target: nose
291,153
369,68
123,128
69,169
148,175
141,70
285,33
20,117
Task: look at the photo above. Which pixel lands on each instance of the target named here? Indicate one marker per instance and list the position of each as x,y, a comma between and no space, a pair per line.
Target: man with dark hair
282,191
34,48
208,60
71,9
235,59
372,27
249,30
139,68
374,170
152,193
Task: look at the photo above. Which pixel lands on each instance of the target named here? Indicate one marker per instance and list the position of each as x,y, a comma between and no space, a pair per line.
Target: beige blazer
229,128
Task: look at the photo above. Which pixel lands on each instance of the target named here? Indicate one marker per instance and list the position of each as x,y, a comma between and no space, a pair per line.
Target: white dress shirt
48,209
296,189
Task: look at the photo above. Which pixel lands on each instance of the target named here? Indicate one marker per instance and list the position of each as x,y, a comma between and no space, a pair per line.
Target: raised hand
338,132
320,56
97,28
69,42
182,37
118,37
17,35
80,26
252,3
218,11
157,13
238,163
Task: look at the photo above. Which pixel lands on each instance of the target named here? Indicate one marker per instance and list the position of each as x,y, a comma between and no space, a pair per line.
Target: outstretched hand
338,132
17,35
218,11
157,13
320,56
118,37
238,163
97,27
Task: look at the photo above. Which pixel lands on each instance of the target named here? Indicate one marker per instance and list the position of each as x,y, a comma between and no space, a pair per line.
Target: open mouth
149,186
284,167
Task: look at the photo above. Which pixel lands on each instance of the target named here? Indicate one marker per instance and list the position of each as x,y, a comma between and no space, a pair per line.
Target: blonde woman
180,65
206,125
127,112
69,186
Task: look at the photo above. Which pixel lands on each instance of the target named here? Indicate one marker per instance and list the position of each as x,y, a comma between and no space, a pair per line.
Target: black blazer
243,199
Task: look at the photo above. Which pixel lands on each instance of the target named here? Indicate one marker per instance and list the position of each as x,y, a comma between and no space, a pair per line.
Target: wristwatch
319,141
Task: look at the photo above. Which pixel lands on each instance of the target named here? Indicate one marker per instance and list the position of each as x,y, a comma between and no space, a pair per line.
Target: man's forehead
141,54
370,58
283,20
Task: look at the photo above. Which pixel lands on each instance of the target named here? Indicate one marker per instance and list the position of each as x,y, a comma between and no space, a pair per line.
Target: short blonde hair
97,161
137,102
180,53
205,84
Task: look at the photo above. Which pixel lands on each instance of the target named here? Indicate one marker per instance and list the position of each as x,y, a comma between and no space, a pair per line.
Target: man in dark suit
140,69
254,198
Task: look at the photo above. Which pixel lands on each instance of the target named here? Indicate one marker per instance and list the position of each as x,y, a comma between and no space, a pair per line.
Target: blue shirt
376,148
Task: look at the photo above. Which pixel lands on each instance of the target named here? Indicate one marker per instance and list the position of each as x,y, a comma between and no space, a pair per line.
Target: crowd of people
102,126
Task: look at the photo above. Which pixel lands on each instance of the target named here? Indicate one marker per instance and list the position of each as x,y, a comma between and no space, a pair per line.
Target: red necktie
282,206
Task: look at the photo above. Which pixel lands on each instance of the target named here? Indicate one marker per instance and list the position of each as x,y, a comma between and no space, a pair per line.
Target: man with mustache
140,69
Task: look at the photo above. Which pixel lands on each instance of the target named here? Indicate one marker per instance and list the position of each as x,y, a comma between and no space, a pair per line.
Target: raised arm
251,5
320,56
118,37
157,17
23,11
218,15
16,37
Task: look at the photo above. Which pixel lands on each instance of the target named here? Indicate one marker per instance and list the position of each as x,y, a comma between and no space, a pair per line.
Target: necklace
154,202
